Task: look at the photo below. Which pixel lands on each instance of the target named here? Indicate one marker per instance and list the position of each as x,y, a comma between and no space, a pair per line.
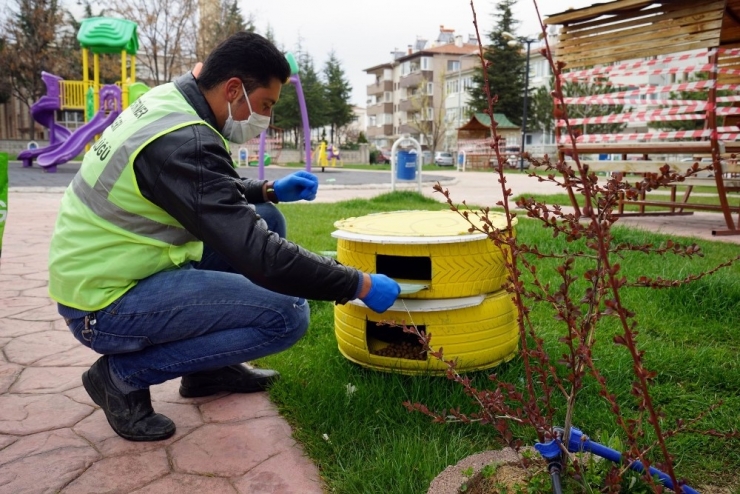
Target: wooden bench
661,61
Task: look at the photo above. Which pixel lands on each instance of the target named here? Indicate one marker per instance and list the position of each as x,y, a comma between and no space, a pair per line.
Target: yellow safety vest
108,236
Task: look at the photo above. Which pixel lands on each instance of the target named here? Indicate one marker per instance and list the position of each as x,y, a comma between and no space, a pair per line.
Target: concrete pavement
53,438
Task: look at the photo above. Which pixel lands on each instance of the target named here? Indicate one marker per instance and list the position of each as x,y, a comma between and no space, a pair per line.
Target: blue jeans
202,316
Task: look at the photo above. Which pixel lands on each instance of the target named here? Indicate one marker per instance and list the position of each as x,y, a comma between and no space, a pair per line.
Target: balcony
416,78
407,128
383,130
415,103
379,88
379,108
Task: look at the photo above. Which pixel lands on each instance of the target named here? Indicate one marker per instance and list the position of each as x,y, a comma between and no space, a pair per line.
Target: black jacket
189,174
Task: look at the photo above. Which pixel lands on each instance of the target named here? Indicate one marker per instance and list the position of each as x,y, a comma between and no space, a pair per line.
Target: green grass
690,335
564,200
364,166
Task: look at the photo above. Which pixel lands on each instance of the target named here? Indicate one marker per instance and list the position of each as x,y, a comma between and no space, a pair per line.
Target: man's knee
297,318
273,217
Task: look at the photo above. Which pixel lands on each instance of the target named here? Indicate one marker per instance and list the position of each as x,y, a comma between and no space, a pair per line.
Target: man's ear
233,89
196,69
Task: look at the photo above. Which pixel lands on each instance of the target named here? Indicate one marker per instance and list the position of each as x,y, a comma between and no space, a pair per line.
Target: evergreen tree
287,112
217,21
337,91
505,68
232,20
313,90
543,116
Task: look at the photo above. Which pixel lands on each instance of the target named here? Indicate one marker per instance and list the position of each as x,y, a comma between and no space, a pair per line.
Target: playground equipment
296,81
333,155
326,154
100,104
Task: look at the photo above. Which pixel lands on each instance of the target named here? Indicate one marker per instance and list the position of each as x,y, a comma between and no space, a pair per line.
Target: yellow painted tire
460,269
479,337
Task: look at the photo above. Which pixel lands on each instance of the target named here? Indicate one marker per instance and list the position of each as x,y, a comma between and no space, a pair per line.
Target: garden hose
579,442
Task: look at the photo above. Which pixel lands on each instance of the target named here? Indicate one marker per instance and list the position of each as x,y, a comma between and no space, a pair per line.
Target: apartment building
421,92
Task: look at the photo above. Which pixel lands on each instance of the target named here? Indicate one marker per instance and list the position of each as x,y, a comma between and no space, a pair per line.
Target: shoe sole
200,392
96,397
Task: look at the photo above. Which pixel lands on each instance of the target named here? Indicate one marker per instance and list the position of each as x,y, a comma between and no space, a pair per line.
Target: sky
363,34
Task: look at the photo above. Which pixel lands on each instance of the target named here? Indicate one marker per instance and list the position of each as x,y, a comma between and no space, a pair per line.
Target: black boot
130,415
233,379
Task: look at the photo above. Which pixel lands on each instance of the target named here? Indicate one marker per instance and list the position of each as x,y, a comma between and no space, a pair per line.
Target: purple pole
304,116
262,156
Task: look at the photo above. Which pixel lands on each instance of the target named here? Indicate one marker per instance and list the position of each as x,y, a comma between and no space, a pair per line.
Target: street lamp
517,41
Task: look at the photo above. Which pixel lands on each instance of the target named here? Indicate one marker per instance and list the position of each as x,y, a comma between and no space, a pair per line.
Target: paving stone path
53,438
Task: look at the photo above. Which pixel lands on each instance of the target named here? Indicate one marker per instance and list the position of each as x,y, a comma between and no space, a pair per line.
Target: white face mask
241,131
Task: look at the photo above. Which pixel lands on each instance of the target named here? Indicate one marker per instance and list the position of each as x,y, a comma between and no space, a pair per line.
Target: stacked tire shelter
452,288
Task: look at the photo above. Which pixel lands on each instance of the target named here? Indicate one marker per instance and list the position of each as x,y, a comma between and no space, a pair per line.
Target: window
426,63
405,68
371,121
388,97
430,88
467,82
452,86
453,65
429,113
72,119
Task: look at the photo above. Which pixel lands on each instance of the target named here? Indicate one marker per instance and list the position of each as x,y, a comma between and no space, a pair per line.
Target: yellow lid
415,227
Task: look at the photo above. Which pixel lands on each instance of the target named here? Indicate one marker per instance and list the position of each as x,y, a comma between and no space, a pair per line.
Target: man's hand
297,186
383,292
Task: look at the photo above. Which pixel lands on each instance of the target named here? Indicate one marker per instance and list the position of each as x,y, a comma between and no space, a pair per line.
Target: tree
505,68
287,112
337,91
166,36
30,45
701,95
218,21
5,86
543,114
313,90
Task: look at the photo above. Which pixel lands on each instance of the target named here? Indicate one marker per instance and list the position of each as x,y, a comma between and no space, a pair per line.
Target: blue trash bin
406,165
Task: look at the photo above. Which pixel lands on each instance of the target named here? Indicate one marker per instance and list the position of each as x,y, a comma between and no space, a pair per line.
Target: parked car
513,161
384,157
443,158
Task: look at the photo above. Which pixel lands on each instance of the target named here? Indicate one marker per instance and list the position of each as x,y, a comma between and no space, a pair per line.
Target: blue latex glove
296,186
383,292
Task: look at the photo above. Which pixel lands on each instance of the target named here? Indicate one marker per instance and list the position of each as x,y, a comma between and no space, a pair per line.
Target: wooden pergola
474,138
694,46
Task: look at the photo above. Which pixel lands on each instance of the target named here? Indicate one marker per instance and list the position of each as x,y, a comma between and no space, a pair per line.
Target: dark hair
248,56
